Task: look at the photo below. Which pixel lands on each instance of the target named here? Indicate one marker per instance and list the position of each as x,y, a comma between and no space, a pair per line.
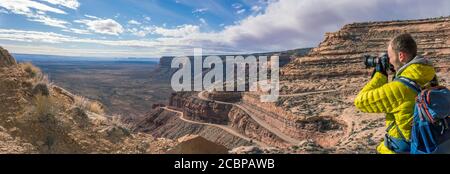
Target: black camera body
373,61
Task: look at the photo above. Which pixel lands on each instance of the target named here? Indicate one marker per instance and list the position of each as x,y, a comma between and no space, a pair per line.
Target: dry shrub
80,116
96,107
117,130
32,70
118,121
41,89
34,73
91,106
44,106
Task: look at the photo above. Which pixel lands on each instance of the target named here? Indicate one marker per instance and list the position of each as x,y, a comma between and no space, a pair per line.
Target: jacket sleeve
379,96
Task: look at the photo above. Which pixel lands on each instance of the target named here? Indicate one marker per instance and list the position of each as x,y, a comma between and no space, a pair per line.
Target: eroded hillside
39,117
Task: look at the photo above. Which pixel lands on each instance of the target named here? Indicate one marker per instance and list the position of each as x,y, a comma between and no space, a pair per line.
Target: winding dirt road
308,93
261,122
223,127
251,113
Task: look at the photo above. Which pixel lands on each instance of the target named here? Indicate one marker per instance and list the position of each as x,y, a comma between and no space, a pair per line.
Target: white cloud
200,10
240,11
175,45
203,21
141,32
77,31
173,33
34,11
51,37
24,7
92,17
239,8
180,31
72,4
287,24
256,8
237,5
32,36
134,22
102,26
49,21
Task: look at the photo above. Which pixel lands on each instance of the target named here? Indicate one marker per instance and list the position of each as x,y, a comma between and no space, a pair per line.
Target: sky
154,28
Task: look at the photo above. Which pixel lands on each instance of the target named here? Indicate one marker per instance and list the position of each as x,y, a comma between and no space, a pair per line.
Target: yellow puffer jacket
394,98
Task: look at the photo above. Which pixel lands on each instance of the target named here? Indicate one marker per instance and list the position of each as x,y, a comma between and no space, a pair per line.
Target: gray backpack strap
398,130
409,83
412,85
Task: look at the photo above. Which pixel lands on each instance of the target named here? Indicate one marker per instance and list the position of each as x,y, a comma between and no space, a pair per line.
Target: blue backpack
430,130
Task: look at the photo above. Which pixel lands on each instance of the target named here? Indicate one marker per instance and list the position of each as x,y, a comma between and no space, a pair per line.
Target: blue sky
153,28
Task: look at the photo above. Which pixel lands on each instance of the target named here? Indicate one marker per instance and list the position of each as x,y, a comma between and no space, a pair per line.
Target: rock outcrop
6,59
200,110
224,96
240,120
340,54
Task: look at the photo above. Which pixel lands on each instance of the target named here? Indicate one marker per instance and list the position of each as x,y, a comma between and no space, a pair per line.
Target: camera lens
370,61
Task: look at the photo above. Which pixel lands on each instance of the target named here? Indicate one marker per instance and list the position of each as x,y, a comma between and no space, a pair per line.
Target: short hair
405,43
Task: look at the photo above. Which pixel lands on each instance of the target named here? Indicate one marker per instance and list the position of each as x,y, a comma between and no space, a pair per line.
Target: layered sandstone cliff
324,83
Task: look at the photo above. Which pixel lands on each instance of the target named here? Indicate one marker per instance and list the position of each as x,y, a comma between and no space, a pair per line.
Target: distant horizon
73,56
113,57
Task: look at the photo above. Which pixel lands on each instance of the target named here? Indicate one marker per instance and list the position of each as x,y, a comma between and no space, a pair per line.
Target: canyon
314,112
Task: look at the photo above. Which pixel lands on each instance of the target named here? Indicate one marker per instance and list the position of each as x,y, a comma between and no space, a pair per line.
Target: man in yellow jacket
394,98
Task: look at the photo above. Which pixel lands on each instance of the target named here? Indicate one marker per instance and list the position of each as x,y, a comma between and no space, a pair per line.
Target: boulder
194,144
6,59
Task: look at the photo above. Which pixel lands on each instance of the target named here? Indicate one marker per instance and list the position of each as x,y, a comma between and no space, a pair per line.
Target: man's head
401,50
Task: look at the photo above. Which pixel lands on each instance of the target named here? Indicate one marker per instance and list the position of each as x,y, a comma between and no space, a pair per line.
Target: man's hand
380,68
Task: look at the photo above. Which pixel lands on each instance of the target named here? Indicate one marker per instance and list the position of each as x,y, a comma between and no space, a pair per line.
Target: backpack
431,121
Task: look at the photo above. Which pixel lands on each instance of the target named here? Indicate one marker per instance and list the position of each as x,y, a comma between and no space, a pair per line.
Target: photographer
395,98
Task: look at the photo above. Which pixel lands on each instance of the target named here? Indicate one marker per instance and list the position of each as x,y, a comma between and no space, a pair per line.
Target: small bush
35,73
32,70
118,121
96,107
91,106
44,107
80,116
41,89
117,130
81,102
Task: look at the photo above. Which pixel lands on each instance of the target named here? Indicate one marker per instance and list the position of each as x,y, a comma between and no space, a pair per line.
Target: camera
373,61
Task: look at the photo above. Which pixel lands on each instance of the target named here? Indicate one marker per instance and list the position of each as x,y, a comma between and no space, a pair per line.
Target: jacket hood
416,60
419,69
